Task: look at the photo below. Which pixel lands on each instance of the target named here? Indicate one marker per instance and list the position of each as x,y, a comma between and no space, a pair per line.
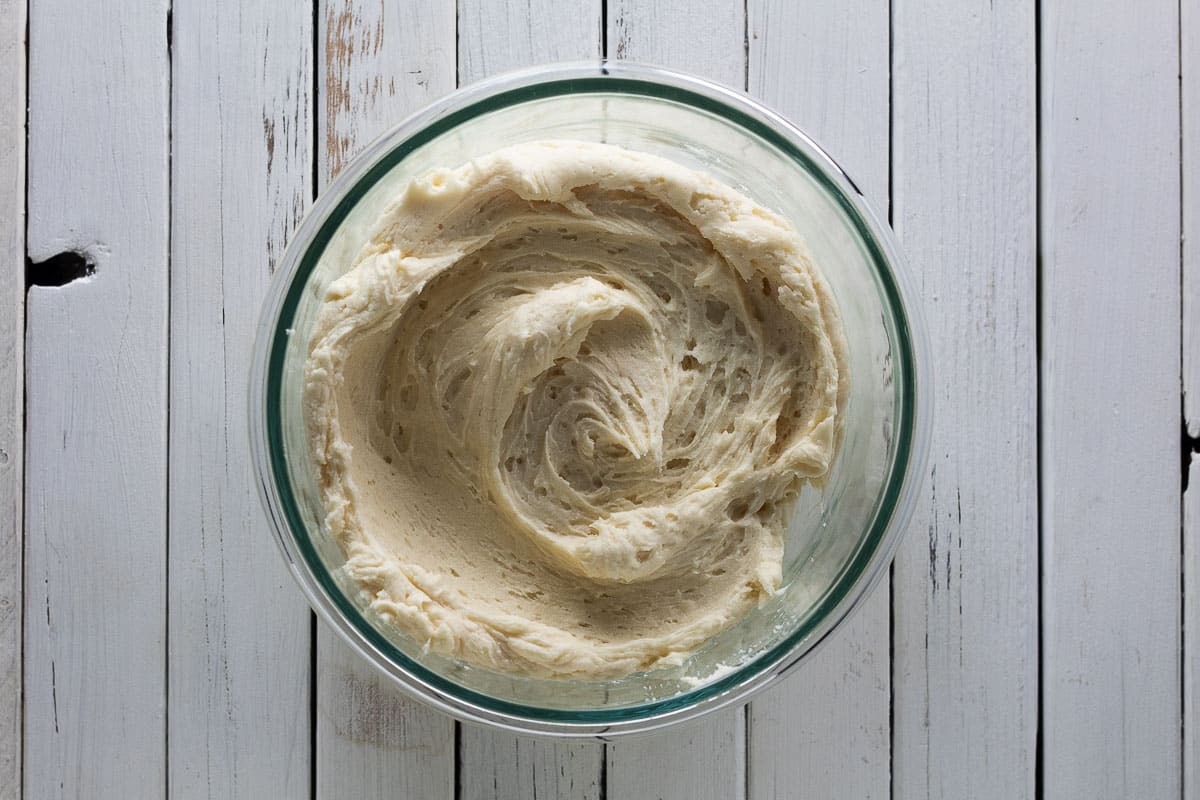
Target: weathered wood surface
1110,393
12,384
706,37
499,35
964,204
241,175
96,384
1190,195
704,759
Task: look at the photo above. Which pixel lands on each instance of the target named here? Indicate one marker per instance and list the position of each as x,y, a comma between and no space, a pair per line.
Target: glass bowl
842,535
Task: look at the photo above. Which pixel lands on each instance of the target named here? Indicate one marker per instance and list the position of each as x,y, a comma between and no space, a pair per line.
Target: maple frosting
561,402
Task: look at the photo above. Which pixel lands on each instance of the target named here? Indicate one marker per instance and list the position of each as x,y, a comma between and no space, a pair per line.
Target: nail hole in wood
1191,446
59,269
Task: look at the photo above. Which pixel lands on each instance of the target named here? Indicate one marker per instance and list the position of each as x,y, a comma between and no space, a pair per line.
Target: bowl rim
857,577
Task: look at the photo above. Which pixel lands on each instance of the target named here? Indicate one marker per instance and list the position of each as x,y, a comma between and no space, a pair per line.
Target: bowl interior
836,539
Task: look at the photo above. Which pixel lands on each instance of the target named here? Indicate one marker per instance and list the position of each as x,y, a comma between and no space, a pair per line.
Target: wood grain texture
1110,221
242,131
1191,613
499,35
827,727
377,63
96,438
496,764
704,759
495,36
708,759
1190,196
1190,109
965,672
707,37
12,384
371,740
380,61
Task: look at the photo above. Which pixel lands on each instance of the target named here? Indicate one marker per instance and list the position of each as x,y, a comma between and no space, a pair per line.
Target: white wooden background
1040,162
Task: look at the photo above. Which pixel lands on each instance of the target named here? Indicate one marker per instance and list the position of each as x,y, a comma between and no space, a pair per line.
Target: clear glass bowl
842,535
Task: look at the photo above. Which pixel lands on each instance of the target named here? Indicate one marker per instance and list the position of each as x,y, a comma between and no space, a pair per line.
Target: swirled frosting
561,402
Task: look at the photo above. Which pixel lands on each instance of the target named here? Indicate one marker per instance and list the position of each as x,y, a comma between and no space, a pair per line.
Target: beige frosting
560,405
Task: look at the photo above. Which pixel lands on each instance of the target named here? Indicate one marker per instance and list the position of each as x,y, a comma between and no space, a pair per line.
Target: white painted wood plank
499,35
1110,220
378,62
1190,109
503,765
1191,609
708,759
827,728
96,439
704,759
1190,174
495,36
373,741
12,384
707,37
242,129
965,584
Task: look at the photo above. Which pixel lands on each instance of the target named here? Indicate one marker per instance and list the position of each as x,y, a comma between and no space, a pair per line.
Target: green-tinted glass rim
841,592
